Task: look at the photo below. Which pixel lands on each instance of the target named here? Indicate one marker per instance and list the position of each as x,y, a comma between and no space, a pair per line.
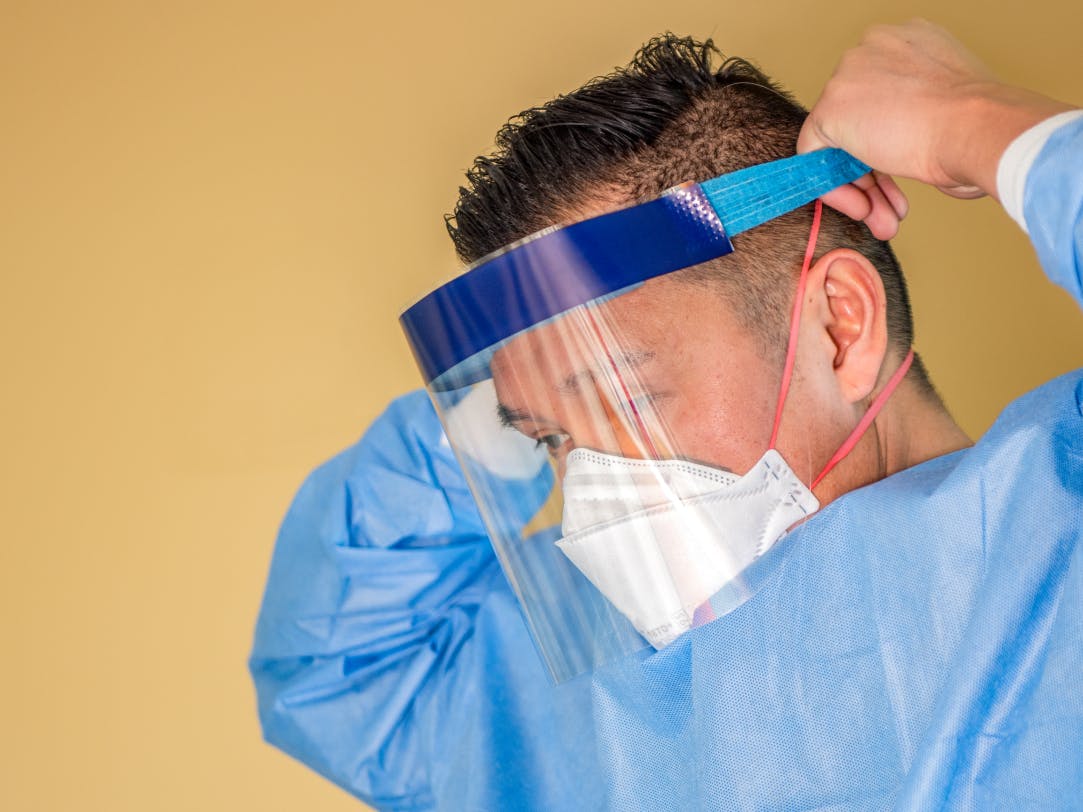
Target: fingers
882,220
893,193
875,199
850,200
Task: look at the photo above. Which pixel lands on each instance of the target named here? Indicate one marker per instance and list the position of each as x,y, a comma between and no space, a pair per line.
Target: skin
684,379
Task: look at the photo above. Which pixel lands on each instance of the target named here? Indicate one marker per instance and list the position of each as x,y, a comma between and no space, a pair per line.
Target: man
914,643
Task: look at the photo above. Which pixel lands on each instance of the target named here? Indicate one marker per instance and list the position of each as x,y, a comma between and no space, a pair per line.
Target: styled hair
678,112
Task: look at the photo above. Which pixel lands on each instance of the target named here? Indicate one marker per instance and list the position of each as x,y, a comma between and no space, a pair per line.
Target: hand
911,101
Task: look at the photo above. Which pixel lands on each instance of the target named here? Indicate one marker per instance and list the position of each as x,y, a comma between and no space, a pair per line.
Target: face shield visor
614,525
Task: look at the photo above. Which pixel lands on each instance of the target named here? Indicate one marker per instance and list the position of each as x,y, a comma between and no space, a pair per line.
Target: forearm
980,129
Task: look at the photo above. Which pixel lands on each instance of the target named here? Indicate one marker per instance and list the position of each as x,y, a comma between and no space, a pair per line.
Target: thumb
812,137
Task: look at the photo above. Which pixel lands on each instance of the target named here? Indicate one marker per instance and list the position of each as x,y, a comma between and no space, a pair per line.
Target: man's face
664,371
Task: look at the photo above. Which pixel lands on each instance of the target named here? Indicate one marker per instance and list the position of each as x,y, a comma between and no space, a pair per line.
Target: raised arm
380,568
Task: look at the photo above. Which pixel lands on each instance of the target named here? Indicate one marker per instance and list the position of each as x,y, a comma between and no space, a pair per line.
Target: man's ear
853,317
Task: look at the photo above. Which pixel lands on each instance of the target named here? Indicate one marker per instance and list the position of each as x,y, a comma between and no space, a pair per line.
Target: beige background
210,215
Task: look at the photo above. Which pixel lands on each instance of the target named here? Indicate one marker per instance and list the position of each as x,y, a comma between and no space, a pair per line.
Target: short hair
679,111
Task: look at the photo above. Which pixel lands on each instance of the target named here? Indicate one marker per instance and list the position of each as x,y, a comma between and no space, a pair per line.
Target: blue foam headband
454,329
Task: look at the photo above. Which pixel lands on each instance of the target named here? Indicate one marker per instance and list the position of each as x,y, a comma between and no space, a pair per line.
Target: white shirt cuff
1019,157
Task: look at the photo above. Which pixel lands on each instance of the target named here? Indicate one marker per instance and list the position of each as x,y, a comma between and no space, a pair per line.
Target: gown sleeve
1053,207
379,569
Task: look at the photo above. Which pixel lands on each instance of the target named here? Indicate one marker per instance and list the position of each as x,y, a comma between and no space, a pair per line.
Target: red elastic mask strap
795,321
866,421
791,356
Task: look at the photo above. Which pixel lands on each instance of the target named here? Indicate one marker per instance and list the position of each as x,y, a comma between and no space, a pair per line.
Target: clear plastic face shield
609,509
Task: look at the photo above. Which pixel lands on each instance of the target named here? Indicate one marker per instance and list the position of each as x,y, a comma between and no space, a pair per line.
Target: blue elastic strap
455,329
753,196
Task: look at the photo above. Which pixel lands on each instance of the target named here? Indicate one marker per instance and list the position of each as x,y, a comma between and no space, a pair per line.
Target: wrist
980,129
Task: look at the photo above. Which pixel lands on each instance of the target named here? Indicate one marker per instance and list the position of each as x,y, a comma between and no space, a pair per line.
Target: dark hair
670,116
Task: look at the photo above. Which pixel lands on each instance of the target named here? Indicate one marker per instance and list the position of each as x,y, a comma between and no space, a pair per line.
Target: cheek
726,419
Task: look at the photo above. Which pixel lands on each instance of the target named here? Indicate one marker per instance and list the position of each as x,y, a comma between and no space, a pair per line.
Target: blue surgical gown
918,644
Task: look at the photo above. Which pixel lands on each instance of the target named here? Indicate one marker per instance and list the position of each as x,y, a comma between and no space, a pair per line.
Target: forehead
628,322
664,319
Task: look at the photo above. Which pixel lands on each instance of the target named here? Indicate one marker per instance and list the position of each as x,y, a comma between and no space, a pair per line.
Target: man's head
674,115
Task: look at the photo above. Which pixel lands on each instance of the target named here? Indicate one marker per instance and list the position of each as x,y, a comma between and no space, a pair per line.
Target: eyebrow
509,416
626,359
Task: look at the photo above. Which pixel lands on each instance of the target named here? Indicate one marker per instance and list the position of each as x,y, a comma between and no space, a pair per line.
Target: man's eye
552,441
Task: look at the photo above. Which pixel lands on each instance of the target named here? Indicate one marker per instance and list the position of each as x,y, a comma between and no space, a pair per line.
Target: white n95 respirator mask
659,538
